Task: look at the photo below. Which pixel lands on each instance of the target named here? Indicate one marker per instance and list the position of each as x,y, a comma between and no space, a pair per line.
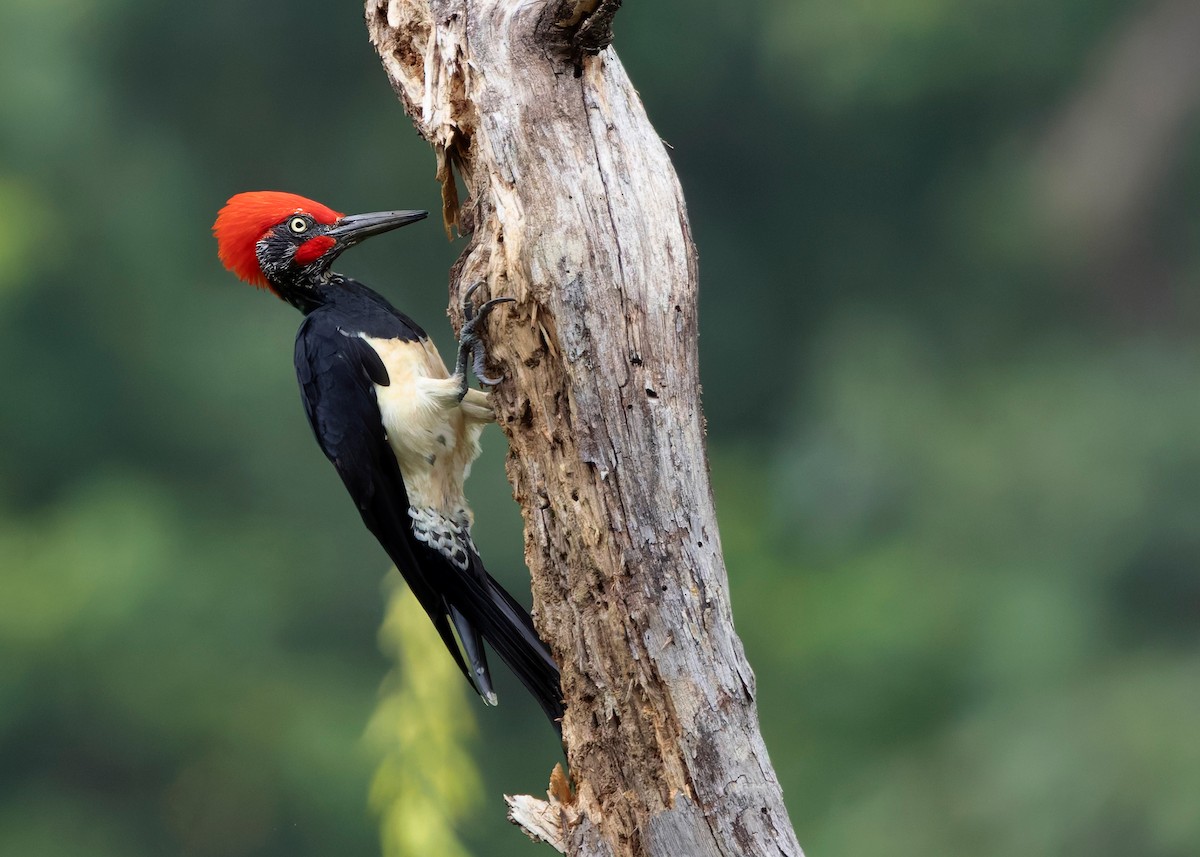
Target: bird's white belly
433,442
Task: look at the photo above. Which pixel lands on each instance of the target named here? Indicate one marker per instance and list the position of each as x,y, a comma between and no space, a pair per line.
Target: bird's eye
298,225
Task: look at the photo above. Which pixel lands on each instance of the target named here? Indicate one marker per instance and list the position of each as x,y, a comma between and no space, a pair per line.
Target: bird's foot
470,345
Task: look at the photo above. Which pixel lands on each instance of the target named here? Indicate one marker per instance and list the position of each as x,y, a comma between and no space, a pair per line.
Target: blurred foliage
426,783
954,440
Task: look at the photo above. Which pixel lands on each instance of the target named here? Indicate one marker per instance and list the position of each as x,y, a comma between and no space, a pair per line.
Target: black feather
337,371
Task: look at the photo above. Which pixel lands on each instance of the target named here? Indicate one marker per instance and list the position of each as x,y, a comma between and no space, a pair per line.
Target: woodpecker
400,429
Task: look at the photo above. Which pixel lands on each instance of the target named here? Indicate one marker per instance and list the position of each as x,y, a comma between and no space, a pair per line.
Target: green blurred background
950,252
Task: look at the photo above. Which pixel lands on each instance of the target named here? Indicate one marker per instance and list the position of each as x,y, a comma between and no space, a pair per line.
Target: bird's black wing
337,374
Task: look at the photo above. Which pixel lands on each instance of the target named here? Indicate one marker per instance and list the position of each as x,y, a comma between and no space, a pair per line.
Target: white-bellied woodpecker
401,430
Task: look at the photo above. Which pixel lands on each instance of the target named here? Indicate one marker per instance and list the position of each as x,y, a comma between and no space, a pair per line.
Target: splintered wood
541,820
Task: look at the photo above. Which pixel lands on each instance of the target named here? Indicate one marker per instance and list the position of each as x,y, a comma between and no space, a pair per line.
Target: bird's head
284,242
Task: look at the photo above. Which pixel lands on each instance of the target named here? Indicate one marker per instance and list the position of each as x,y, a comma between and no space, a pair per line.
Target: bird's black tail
505,624
473,602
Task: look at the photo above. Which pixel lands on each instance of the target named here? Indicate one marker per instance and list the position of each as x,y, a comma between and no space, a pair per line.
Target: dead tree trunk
573,208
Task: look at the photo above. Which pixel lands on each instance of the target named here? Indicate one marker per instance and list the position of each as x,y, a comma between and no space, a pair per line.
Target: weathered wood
541,820
573,208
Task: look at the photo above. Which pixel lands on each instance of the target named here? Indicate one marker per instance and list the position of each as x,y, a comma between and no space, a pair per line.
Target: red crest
247,217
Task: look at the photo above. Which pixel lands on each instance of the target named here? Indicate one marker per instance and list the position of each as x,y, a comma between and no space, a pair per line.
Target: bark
573,208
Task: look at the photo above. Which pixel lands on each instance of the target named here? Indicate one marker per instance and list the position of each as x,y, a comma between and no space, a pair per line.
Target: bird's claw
473,316
480,358
468,307
470,345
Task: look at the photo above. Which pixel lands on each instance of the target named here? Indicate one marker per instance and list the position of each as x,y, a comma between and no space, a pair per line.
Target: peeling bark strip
573,208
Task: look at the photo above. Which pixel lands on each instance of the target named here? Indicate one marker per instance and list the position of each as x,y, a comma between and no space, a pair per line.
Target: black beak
350,230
